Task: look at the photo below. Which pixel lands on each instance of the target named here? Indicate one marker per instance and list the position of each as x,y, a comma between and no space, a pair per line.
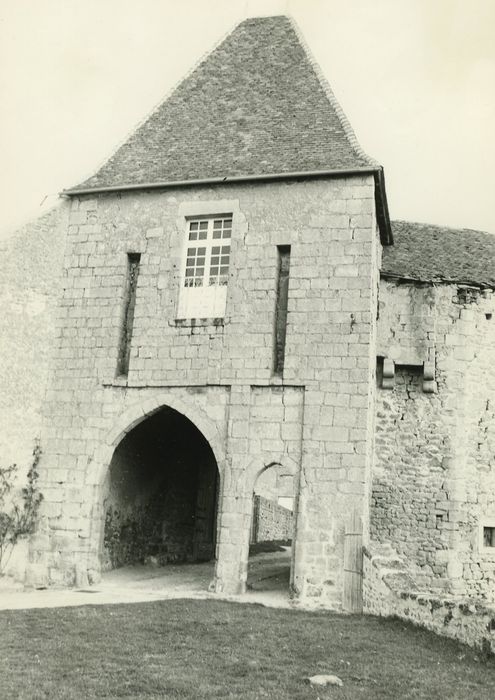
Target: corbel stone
388,380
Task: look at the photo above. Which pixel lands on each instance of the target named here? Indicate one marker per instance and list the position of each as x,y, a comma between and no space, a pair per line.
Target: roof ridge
330,95
141,122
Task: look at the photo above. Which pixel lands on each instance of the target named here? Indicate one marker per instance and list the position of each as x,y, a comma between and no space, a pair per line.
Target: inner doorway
161,496
272,528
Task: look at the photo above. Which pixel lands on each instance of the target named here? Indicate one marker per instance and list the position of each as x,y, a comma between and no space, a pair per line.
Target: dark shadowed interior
162,494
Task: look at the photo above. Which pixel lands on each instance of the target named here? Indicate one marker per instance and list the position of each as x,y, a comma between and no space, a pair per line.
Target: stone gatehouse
227,295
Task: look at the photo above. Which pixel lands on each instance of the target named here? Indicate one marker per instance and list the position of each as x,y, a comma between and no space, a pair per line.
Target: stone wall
434,473
391,592
270,521
433,484
434,476
323,401
30,285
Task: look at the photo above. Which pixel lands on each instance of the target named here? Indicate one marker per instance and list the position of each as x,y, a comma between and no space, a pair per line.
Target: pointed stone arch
138,412
257,466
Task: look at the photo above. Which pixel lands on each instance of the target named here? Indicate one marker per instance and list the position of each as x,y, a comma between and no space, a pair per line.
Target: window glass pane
207,263
195,267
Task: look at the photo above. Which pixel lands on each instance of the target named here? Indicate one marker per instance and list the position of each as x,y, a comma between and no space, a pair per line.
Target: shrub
18,512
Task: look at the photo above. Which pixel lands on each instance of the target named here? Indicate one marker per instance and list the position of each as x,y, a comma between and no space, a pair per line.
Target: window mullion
209,244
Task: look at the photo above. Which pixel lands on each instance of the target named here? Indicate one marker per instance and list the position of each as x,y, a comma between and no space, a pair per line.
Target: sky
416,79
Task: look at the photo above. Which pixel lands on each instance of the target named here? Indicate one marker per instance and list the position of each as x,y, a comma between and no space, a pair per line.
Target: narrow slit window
281,308
489,536
133,260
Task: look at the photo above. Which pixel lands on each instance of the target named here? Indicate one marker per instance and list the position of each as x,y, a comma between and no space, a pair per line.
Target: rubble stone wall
271,521
471,621
434,475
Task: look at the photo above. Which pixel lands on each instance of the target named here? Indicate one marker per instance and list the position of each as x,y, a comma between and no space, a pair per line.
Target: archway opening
161,495
272,529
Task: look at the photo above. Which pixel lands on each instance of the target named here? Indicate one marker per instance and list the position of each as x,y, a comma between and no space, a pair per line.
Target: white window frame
206,300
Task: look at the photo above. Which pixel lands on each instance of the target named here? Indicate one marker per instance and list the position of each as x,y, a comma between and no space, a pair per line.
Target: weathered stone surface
434,475
270,521
433,480
315,421
467,620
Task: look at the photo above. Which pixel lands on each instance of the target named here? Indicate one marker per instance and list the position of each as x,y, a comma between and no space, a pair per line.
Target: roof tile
256,105
429,253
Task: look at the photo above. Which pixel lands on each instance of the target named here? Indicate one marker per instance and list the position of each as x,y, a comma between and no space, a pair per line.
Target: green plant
18,512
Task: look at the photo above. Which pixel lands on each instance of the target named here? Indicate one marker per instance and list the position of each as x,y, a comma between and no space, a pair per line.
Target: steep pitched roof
256,105
430,253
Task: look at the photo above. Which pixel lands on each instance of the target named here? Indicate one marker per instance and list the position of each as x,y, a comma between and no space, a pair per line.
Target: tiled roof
256,105
430,253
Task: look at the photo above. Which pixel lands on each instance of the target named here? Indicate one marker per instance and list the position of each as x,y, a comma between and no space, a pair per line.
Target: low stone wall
389,591
270,521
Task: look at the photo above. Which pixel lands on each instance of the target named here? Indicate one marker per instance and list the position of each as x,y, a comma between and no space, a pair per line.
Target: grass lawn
205,649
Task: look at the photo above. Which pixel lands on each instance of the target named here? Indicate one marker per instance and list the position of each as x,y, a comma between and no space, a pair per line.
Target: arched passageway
272,528
161,495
